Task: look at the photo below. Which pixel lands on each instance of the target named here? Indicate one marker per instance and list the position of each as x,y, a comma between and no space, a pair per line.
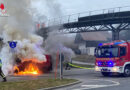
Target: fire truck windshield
107,52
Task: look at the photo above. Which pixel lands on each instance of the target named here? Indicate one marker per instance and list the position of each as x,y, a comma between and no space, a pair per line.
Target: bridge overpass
112,19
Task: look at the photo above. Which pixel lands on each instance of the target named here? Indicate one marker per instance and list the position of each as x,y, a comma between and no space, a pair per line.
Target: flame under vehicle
33,66
113,57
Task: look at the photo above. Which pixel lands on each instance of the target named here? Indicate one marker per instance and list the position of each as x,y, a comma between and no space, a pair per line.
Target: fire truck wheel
127,71
106,73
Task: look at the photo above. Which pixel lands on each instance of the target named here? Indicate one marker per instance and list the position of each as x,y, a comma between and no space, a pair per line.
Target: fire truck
113,57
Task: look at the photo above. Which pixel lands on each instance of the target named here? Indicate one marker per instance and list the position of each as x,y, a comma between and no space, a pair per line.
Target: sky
48,10
76,6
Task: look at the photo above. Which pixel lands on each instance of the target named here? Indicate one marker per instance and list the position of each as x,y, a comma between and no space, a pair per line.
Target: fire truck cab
113,57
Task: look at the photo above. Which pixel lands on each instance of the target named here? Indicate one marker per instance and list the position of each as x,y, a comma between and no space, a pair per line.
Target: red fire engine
113,57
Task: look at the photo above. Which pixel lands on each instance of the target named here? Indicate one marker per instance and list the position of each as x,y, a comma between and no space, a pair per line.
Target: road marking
83,87
95,86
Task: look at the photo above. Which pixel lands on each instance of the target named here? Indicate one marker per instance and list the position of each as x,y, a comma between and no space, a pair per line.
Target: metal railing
74,17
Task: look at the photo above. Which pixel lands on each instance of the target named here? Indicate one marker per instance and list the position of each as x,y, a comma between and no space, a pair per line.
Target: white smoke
46,10
49,8
57,43
19,27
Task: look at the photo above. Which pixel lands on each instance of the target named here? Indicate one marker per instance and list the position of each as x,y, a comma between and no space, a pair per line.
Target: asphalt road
92,80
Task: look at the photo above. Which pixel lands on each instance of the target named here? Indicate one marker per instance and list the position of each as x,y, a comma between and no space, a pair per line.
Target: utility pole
61,56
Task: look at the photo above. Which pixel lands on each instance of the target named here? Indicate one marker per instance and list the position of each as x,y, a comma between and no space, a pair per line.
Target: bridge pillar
115,34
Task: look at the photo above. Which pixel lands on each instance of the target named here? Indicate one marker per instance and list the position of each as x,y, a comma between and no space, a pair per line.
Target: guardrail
74,17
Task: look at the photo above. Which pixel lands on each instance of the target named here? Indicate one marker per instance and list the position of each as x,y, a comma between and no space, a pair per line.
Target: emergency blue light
110,64
100,44
99,63
116,43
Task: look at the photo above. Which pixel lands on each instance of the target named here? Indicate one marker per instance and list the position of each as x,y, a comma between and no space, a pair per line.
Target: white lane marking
80,89
98,86
93,86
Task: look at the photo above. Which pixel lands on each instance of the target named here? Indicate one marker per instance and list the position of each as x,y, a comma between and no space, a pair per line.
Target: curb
51,88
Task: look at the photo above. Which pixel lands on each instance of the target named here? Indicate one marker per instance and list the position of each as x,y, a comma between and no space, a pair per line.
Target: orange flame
30,69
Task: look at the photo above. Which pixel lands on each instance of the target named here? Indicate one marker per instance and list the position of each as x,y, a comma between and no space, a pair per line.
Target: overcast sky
75,6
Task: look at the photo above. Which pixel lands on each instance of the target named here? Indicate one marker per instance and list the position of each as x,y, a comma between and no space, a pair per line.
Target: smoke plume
19,27
57,43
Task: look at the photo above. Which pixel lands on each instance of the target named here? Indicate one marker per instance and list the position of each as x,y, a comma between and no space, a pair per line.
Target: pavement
91,80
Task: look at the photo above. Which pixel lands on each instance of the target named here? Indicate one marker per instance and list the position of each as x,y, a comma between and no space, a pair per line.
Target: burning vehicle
32,66
28,57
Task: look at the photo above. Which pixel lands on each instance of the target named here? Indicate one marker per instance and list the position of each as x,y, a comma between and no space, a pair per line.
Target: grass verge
34,84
